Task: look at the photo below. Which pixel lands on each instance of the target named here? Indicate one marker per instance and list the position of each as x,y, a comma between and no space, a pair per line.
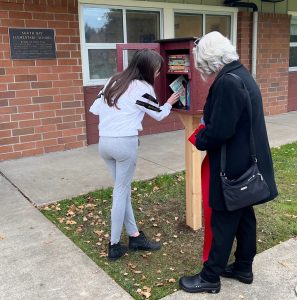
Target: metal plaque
28,43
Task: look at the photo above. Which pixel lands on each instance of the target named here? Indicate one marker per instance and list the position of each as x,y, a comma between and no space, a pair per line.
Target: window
104,27
191,24
186,25
293,45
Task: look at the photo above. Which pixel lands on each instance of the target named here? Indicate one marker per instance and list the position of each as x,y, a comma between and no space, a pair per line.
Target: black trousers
226,226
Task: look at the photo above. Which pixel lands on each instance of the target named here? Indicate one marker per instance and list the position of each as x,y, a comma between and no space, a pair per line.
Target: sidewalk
38,262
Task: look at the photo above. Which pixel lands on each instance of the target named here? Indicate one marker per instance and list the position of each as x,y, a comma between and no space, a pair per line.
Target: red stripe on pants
205,178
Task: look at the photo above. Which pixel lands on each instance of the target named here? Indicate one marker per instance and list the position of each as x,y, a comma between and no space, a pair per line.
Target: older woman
226,121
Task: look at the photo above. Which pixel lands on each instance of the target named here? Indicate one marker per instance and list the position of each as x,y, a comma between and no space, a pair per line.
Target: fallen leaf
171,280
70,222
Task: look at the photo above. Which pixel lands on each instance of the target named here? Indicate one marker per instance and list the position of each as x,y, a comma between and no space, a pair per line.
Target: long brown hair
143,66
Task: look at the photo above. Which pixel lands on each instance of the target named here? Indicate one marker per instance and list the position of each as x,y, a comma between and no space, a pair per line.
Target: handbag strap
251,137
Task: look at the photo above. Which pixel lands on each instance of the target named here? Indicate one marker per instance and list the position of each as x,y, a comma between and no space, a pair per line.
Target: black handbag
250,188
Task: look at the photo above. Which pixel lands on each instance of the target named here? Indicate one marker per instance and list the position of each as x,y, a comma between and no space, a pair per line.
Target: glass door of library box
125,53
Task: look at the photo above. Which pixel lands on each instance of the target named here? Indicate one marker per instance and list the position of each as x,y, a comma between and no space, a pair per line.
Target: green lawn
159,205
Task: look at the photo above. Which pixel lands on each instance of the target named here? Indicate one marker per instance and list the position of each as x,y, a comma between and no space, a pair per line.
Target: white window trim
166,13
294,15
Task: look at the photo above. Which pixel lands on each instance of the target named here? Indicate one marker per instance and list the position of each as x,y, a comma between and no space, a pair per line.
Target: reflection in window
218,23
103,25
102,63
293,57
142,26
186,25
293,38
293,43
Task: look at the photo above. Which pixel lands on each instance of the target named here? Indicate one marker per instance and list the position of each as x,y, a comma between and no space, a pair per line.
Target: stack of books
178,63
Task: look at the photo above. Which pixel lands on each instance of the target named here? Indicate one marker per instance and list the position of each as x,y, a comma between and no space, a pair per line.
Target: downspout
254,44
236,3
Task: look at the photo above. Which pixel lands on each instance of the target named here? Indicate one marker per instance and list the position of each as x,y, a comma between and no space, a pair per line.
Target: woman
121,107
226,120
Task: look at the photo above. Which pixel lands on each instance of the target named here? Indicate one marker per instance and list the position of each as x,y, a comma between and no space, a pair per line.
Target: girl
121,106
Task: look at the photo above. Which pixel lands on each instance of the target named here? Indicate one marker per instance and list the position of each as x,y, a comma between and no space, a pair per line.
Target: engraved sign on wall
28,43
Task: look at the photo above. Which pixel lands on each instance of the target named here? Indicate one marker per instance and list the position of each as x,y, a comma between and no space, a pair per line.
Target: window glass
142,26
218,23
103,25
293,57
186,25
293,38
102,63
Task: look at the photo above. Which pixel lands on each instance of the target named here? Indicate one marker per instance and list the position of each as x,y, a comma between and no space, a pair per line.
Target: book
178,63
180,85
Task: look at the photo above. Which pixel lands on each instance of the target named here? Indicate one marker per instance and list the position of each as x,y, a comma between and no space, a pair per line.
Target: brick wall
273,61
41,101
244,38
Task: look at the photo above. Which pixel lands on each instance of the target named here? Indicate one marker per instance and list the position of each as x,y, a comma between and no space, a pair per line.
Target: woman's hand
173,98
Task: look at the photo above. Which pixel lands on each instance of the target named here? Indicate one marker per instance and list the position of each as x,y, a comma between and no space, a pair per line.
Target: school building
55,55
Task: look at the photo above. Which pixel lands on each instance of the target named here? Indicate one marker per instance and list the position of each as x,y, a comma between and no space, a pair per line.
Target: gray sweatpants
120,155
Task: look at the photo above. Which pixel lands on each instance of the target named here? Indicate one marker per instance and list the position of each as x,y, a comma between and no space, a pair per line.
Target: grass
159,207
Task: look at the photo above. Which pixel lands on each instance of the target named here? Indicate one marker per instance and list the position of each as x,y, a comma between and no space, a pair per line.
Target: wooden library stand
193,160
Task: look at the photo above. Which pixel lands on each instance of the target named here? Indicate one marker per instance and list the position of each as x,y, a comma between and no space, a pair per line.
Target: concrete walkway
38,262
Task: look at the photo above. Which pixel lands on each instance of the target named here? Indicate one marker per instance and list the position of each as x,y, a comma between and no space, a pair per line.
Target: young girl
121,106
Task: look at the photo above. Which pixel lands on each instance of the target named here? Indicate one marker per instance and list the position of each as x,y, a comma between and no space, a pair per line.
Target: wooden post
193,160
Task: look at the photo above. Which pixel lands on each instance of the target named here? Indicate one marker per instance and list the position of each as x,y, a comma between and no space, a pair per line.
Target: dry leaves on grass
144,292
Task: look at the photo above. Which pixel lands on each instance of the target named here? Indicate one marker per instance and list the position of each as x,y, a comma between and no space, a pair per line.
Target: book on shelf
178,63
181,85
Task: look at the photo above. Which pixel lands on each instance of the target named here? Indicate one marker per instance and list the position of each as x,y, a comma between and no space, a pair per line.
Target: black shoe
141,242
244,277
196,284
115,251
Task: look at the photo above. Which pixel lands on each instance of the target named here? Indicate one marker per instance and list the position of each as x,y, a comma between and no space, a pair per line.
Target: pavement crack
157,164
18,189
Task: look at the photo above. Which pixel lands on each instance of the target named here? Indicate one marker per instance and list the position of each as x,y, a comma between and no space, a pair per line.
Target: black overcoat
227,121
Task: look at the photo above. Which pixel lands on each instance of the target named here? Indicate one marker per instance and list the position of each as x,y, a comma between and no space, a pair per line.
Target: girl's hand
173,98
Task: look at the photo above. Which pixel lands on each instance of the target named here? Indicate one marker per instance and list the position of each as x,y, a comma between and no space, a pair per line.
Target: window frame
85,47
293,44
166,13
211,13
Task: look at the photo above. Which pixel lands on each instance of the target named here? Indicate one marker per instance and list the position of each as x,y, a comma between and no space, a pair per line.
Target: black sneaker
116,251
196,284
244,277
141,242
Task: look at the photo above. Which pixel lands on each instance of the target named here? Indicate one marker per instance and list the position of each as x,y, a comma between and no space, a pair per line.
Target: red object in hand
192,137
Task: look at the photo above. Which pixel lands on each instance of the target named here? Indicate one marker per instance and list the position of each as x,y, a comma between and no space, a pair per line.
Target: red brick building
44,102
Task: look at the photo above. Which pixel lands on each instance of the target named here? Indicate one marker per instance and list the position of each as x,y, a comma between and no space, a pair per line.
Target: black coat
227,121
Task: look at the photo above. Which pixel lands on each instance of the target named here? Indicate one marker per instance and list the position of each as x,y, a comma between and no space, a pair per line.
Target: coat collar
228,68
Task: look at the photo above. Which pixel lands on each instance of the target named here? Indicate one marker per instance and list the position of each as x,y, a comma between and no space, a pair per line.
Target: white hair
212,53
